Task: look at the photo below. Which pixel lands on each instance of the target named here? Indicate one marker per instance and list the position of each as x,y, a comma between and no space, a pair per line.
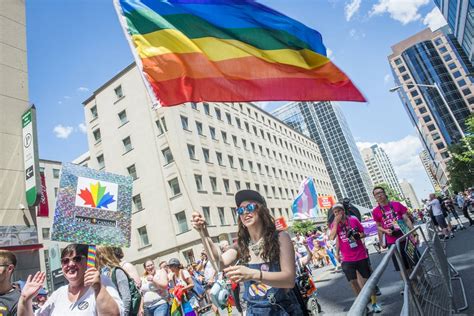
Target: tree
461,164
391,194
303,227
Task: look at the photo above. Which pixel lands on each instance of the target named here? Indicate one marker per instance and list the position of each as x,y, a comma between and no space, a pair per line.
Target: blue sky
74,46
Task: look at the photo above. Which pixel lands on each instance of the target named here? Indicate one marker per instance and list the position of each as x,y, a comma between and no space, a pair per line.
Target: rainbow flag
305,205
229,51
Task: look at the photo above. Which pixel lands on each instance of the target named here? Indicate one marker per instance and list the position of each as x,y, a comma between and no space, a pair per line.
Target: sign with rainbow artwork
93,207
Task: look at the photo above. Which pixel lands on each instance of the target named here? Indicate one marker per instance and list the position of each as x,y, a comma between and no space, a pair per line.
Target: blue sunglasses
250,208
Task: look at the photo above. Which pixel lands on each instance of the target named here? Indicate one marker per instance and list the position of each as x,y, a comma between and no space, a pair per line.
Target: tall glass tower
325,123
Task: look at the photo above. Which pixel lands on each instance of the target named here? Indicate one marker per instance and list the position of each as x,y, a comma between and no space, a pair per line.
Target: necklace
256,247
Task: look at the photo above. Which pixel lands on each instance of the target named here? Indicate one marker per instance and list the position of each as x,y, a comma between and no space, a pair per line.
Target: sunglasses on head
249,208
76,259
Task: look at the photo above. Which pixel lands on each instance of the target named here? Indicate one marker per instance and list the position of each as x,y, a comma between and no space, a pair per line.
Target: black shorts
350,269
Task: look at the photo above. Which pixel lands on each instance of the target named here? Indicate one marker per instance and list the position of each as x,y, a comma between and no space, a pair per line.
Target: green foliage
461,165
391,194
303,227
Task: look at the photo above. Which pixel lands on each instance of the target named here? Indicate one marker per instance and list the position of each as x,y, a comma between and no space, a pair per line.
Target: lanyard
394,214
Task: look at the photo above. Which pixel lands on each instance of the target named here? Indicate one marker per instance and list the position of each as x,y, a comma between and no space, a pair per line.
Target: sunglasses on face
249,208
76,259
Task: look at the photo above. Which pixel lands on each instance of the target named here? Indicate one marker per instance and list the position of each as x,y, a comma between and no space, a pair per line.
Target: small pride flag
91,256
229,51
305,206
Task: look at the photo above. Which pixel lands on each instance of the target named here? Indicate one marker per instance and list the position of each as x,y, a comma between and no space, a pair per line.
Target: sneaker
377,291
376,308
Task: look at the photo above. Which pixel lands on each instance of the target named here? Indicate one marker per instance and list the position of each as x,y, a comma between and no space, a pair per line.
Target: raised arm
32,286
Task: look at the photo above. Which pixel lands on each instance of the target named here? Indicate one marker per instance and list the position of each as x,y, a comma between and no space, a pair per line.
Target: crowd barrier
428,280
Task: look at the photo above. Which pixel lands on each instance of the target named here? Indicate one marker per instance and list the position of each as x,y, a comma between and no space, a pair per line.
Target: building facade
380,168
410,195
325,124
193,157
460,17
17,222
434,59
430,169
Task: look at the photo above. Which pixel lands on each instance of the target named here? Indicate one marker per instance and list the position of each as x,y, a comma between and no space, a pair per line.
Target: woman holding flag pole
268,269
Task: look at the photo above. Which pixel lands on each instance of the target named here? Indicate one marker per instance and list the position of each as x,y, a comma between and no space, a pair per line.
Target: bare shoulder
284,237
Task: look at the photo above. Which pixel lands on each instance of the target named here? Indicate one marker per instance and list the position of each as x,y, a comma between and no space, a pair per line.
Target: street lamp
442,97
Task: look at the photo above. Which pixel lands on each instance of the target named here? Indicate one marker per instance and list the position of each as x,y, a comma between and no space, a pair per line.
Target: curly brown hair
271,244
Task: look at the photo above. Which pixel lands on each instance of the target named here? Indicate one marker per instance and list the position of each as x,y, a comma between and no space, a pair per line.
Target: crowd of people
267,262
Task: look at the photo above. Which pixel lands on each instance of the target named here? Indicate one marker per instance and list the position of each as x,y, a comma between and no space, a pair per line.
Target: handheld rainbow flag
229,51
91,256
305,205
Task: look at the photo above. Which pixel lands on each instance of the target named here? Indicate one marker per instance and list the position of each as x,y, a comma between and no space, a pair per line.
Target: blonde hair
106,257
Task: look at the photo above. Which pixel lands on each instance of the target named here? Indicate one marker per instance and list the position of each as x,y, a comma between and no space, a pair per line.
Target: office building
17,224
380,168
430,169
410,195
325,124
460,17
193,157
421,64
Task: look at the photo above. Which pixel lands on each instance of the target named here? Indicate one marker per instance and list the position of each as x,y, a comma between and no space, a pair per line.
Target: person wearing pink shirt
349,232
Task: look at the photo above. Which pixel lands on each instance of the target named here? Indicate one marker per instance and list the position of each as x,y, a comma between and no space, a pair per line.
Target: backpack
135,296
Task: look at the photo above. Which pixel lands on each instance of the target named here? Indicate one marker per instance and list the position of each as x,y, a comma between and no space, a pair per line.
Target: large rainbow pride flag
229,51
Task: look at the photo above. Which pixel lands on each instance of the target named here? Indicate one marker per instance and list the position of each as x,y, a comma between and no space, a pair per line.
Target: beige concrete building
410,194
18,226
193,157
431,71
430,169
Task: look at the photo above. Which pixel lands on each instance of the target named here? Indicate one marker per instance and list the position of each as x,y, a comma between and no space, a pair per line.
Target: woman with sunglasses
267,257
87,292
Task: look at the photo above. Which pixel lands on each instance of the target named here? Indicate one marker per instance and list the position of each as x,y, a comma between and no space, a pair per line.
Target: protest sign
93,207
370,227
280,224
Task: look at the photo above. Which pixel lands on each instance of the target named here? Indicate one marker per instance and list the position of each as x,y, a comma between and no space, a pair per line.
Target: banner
43,209
370,227
93,207
305,206
281,224
326,201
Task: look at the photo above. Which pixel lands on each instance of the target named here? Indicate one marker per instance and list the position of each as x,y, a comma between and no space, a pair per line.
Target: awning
22,247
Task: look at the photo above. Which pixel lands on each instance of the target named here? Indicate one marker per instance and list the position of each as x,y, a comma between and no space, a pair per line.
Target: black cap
174,262
249,195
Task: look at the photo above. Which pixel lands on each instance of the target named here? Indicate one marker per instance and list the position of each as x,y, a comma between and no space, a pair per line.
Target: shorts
350,269
441,221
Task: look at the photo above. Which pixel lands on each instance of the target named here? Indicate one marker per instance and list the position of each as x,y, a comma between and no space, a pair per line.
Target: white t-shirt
58,304
436,207
209,271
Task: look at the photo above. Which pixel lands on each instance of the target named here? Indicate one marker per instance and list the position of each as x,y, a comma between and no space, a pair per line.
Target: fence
427,276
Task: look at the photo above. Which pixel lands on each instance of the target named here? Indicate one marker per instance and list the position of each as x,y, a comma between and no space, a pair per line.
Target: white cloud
434,19
67,97
356,34
82,128
404,11
330,53
351,8
82,89
387,78
60,102
62,131
263,105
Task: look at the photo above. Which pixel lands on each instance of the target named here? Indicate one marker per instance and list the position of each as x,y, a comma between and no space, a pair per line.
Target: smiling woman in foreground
267,257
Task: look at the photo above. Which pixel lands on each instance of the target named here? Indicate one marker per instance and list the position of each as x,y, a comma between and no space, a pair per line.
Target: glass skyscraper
325,123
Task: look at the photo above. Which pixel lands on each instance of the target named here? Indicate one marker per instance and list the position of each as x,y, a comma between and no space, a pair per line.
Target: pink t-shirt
357,251
388,220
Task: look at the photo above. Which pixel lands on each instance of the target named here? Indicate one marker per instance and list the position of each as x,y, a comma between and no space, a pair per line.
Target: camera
219,294
353,233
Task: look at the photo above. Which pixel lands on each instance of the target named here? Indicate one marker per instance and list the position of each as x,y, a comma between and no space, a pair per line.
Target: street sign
30,157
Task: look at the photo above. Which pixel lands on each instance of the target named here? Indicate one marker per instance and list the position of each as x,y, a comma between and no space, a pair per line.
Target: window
461,83
247,127
123,117
168,155
56,173
224,137
253,146
234,215
438,41
118,92
247,185
234,140
259,167
265,188
431,127
56,192
132,172
94,113
402,69
96,134
226,185
137,202
452,66
443,49
127,144
422,110
182,222
212,131
244,143
414,93
231,161
447,57
199,128
241,163
273,211
207,215
184,122
220,210
398,61
45,233
143,236
194,106
440,145
418,101
250,165
219,158
466,91
435,136
160,127
213,181
218,114
174,186
205,153
198,180
191,152
101,161
427,118
237,185
406,77
237,121
257,187
229,118
457,74
206,108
